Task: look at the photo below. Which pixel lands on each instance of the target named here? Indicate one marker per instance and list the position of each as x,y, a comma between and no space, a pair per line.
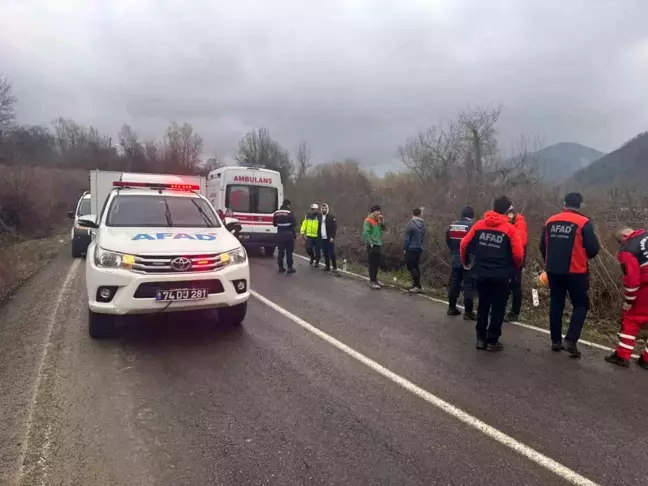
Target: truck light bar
158,185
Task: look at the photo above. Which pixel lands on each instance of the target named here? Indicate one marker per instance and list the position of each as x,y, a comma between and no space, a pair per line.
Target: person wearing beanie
458,275
519,222
496,249
326,236
568,241
284,220
372,231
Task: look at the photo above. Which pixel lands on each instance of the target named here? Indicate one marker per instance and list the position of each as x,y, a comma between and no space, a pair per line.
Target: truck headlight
234,257
112,259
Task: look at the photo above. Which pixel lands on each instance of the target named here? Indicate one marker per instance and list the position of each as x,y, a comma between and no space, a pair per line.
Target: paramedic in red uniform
497,250
568,241
518,221
633,257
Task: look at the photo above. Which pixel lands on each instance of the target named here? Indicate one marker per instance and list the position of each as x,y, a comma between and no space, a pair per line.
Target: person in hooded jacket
518,221
284,220
458,274
497,251
413,248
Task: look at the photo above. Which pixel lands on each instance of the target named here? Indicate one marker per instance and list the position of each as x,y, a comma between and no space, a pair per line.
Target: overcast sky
352,77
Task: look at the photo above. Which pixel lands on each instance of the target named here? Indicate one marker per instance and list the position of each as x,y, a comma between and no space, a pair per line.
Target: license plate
181,294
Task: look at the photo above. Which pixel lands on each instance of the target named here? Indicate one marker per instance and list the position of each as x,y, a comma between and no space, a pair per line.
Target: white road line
65,288
522,449
515,323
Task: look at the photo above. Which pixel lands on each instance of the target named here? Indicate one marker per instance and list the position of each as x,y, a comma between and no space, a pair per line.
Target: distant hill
625,167
557,163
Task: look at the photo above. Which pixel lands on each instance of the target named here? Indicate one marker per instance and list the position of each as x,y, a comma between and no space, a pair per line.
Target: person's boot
617,360
511,317
453,312
282,270
494,347
470,316
312,259
557,347
291,270
374,285
642,362
326,269
571,348
316,265
480,344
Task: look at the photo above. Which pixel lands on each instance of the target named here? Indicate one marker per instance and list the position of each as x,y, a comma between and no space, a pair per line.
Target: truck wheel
233,315
76,251
268,250
101,326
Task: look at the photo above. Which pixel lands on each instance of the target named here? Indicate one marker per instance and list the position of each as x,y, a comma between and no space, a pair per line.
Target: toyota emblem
180,264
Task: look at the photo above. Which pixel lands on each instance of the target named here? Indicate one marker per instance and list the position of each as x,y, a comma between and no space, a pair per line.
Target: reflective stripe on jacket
310,226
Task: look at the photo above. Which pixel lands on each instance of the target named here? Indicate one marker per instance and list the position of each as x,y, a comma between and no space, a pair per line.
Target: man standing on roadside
413,248
309,232
568,241
372,231
496,245
518,221
458,274
285,221
633,257
327,232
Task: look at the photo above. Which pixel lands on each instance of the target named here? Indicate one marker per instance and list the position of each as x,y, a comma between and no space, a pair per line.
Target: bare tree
214,162
7,102
257,148
182,148
303,159
479,125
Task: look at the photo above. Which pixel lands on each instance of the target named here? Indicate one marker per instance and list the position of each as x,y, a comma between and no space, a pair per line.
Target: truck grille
177,263
148,290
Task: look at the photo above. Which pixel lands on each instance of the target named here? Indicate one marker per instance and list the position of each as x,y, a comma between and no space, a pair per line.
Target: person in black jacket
326,237
458,274
285,221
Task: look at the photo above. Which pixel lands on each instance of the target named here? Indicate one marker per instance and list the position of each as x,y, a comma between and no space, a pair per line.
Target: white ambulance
252,195
158,246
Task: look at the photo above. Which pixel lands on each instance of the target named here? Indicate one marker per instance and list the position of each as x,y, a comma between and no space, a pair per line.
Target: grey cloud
354,78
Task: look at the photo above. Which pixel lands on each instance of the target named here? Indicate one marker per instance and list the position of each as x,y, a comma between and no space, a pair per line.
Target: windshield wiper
210,224
167,213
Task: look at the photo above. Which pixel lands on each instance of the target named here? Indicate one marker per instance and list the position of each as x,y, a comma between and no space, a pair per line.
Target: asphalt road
184,400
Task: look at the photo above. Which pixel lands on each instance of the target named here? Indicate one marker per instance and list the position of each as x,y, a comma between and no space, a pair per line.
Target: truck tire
76,251
101,326
233,315
268,251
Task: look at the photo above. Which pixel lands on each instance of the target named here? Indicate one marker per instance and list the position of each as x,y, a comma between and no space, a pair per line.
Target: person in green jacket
372,231
309,231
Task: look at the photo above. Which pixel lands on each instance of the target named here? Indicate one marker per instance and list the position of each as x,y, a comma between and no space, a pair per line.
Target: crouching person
633,257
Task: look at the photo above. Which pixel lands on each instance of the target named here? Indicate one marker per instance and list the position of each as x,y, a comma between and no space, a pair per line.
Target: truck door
240,199
267,202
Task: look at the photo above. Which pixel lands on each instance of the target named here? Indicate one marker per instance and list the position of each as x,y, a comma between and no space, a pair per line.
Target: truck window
267,200
160,211
239,198
84,207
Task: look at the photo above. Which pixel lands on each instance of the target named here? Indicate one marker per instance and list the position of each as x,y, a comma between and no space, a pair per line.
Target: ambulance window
267,202
239,198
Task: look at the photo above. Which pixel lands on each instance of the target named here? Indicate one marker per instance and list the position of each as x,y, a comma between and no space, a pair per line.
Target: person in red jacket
633,257
497,251
518,221
568,241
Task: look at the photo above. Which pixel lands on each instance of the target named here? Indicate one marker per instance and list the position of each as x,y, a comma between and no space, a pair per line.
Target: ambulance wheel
233,315
268,251
101,326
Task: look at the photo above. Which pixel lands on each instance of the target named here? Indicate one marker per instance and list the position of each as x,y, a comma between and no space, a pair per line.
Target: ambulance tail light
158,185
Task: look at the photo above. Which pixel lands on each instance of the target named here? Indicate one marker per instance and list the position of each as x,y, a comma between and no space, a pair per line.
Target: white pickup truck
159,246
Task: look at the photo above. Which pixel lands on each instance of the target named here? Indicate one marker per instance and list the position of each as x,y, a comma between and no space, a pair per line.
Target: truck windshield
84,207
160,211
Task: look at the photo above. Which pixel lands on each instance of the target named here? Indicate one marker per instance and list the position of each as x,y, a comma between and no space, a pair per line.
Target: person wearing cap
284,220
519,222
309,231
568,241
413,248
458,274
372,237
497,251
633,257
326,236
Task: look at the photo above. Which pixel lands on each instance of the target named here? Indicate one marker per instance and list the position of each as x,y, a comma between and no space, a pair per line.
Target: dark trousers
457,276
313,249
286,247
493,295
516,292
577,286
373,253
328,249
413,262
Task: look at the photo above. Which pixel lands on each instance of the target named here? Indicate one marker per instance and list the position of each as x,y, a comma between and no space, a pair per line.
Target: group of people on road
489,256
